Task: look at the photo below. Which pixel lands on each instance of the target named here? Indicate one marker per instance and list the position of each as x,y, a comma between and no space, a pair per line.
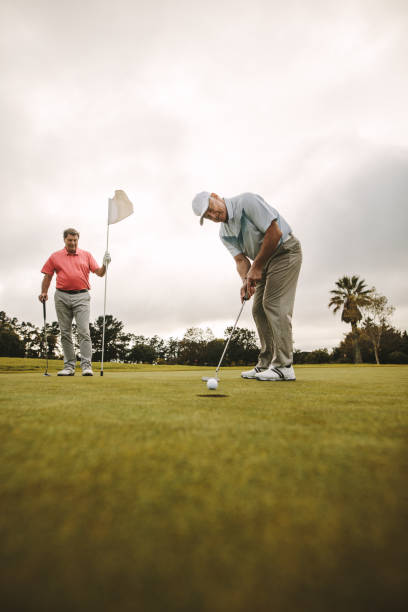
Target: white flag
120,207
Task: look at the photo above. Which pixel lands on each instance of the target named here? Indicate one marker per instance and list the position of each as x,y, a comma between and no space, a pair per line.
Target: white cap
201,203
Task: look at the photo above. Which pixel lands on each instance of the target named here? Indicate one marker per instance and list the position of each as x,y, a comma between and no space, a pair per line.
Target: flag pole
104,299
119,207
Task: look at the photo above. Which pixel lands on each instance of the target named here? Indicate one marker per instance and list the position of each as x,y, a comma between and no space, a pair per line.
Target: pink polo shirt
72,268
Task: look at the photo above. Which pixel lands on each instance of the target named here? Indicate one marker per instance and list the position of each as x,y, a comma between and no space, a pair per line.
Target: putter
206,378
45,340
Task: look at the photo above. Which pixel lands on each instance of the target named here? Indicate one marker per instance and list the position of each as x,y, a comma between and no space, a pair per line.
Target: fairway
143,491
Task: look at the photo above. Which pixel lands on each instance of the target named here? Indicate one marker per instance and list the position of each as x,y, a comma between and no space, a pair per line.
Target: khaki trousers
273,304
68,307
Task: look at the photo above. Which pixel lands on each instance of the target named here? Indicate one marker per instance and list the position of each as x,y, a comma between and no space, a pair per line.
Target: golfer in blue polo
268,258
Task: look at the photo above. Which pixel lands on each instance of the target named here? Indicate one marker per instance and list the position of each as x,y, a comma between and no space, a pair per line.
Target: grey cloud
359,219
355,223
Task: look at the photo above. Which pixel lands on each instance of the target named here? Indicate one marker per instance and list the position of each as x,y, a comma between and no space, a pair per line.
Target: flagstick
119,207
104,300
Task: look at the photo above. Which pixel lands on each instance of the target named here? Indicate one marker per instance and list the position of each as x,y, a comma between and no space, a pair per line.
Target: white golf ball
212,384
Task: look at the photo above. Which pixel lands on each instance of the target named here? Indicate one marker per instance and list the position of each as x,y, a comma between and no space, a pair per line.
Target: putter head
46,374
207,378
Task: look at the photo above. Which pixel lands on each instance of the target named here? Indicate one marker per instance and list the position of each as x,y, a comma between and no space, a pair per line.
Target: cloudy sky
304,102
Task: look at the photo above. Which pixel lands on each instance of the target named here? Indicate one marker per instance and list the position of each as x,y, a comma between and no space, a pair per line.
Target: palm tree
351,294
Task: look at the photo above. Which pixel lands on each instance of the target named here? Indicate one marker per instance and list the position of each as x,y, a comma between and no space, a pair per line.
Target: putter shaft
229,339
45,339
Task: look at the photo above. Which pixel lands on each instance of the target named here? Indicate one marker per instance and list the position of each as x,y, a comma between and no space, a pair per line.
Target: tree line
197,346
372,338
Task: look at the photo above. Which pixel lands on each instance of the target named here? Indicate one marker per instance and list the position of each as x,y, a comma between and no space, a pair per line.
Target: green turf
141,491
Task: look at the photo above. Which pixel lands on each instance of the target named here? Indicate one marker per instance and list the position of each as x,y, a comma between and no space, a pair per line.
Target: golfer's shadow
211,395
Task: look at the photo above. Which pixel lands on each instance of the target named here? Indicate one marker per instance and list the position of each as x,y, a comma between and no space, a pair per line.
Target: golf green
144,491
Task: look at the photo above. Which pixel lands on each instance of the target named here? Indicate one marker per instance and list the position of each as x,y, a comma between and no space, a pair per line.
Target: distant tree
192,347
394,341
140,350
11,344
398,357
404,342
172,350
32,338
7,322
321,355
299,356
116,341
318,356
350,296
158,346
346,350
341,353
394,346
214,351
377,319
54,341
243,348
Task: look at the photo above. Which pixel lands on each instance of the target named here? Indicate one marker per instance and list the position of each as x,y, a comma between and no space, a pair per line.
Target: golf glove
106,259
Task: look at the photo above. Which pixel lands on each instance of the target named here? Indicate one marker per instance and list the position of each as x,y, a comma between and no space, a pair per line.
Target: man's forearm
101,271
106,261
271,240
45,285
269,245
243,264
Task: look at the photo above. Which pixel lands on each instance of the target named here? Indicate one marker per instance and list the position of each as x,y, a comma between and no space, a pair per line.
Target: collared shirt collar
68,253
230,209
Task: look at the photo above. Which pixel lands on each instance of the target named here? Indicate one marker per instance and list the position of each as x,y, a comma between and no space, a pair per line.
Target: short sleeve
232,244
259,212
48,267
92,263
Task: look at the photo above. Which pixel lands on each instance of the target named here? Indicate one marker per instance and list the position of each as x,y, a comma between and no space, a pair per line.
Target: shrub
397,357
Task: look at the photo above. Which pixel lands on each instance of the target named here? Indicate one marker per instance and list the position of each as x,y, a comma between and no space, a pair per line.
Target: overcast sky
302,102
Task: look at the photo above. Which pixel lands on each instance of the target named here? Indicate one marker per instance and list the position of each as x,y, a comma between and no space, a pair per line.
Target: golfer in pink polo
72,299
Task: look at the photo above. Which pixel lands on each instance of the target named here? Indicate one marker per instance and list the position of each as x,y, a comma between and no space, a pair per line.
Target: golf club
206,378
45,339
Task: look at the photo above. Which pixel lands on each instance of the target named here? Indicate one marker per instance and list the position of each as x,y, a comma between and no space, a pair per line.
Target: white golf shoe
252,373
87,371
66,372
277,374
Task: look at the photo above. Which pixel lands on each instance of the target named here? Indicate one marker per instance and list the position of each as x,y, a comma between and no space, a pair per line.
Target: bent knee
258,309
84,335
278,310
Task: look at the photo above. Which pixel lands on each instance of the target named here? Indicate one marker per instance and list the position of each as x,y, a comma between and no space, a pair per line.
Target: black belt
73,290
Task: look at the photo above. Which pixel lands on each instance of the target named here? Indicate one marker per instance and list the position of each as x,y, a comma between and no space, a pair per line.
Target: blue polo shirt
249,216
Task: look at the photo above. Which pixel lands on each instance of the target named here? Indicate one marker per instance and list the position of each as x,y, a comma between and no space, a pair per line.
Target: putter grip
43,308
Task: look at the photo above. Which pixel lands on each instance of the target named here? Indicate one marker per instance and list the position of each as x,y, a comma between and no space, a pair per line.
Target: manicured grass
17,364
142,491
